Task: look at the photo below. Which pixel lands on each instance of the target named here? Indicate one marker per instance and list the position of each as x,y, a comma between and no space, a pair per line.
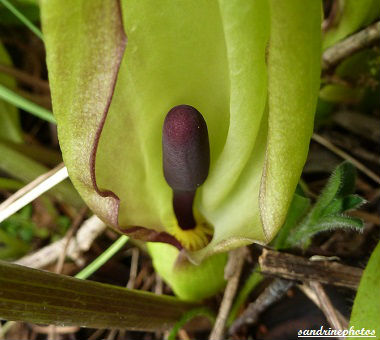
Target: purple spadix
186,158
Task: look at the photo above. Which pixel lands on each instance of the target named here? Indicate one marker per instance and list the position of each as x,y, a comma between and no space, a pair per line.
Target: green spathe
250,67
189,282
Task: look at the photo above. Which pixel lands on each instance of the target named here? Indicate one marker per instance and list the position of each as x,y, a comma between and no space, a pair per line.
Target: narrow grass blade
249,285
201,311
23,18
103,258
41,297
25,104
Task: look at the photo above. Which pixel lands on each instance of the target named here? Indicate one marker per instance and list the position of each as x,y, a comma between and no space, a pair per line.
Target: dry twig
59,329
144,271
274,292
32,190
232,271
97,334
133,268
298,268
326,305
360,166
358,123
148,282
310,293
182,334
74,226
112,334
159,286
25,78
81,243
350,45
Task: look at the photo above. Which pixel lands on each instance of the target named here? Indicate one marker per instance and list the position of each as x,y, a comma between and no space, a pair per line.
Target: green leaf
304,232
366,309
11,247
17,233
335,222
354,15
189,281
19,166
10,128
340,183
362,63
341,93
327,213
346,203
298,208
41,297
359,71
10,184
38,152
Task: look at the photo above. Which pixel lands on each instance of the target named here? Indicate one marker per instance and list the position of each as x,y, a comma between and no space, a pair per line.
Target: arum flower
248,70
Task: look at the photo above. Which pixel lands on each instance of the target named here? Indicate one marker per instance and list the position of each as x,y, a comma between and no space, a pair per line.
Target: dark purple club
186,159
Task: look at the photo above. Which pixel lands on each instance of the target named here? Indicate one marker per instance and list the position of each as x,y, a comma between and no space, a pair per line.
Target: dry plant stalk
293,267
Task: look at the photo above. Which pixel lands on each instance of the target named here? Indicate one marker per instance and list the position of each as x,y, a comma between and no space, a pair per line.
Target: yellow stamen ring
196,238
